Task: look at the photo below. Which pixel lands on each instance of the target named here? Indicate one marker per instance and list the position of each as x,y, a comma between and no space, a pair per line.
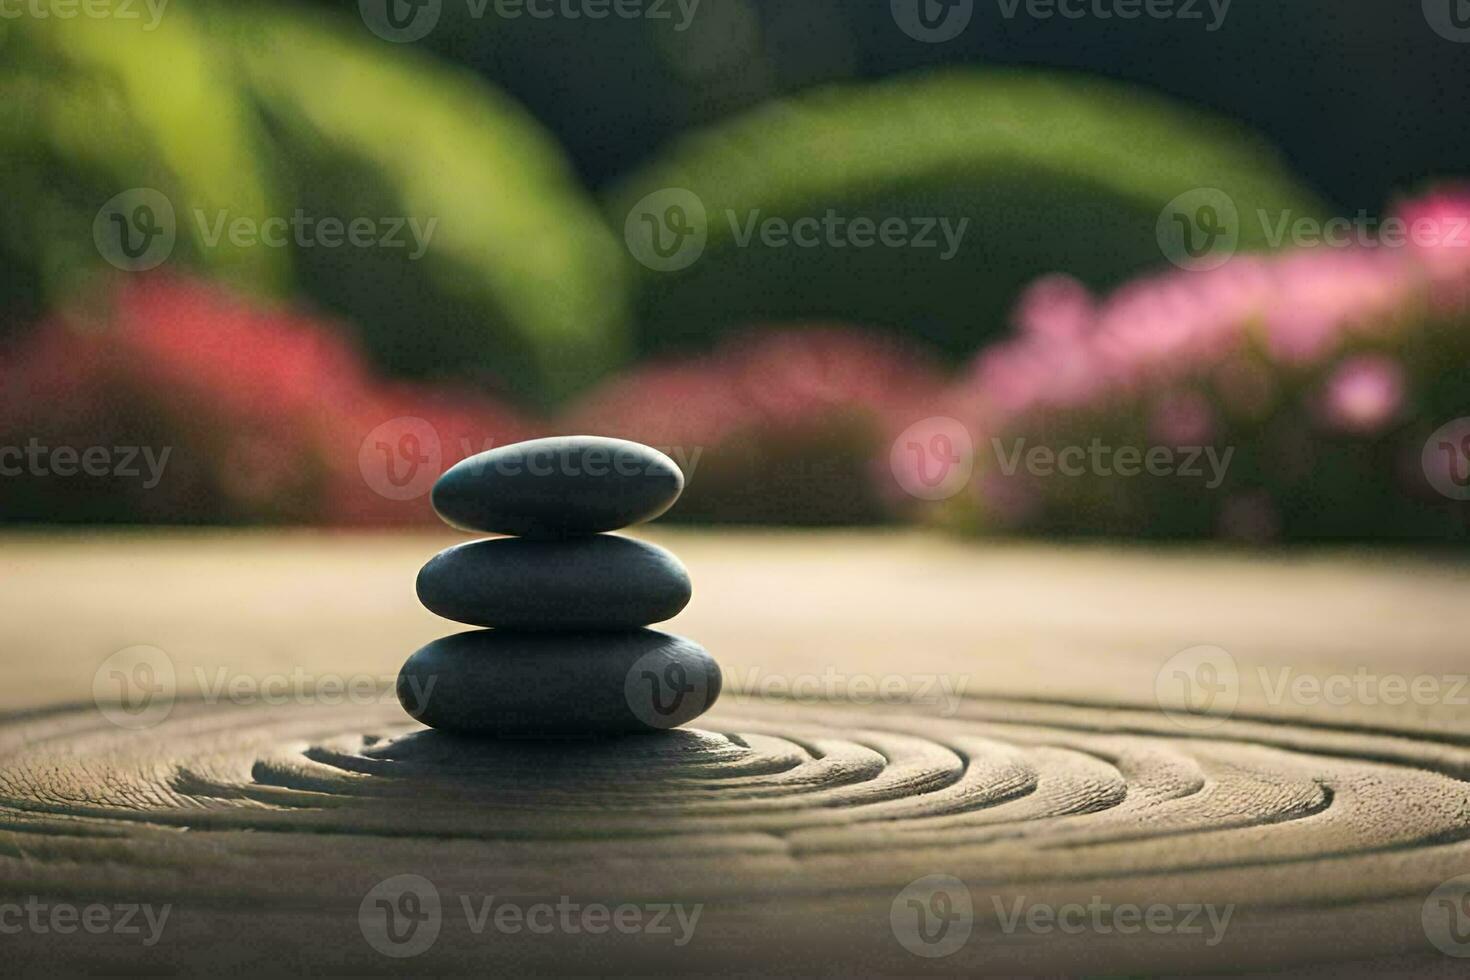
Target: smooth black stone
558,487
518,684
596,582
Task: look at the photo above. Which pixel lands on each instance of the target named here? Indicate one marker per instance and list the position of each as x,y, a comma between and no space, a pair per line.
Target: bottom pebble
558,685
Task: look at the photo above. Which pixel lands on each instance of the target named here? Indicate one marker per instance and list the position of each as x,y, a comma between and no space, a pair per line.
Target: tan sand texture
1020,800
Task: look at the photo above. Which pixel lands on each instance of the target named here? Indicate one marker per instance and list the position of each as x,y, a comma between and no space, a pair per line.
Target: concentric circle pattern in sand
773,811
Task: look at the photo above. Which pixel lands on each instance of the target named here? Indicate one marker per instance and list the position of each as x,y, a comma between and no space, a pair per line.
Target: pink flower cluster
778,425
262,410
1319,365
272,415
1207,356
765,380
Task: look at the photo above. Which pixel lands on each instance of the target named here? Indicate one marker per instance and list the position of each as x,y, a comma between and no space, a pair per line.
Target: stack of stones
565,654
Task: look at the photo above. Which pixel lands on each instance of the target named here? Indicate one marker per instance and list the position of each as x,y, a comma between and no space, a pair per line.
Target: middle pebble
601,581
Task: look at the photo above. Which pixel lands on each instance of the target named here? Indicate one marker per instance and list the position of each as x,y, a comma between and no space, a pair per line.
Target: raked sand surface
1026,758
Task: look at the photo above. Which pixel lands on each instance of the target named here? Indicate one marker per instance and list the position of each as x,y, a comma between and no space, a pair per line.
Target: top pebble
558,487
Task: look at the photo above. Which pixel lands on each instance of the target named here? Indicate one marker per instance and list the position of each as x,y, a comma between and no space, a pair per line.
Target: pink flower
263,409
1363,394
1250,333
1439,231
769,383
1055,306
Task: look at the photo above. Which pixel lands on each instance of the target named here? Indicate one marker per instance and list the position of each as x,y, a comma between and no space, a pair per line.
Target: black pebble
558,487
542,684
597,582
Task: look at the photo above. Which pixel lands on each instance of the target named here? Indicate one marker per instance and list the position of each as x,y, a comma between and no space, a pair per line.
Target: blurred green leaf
479,255
94,106
1051,173
518,275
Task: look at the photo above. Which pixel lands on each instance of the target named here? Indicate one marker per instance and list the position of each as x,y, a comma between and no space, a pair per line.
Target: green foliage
93,106
263,113
520,276
1051,173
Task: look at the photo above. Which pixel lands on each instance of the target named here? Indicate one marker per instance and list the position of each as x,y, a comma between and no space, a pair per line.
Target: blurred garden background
1180,269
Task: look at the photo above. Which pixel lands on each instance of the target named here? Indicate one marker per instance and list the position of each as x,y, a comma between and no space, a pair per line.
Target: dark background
1361,98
